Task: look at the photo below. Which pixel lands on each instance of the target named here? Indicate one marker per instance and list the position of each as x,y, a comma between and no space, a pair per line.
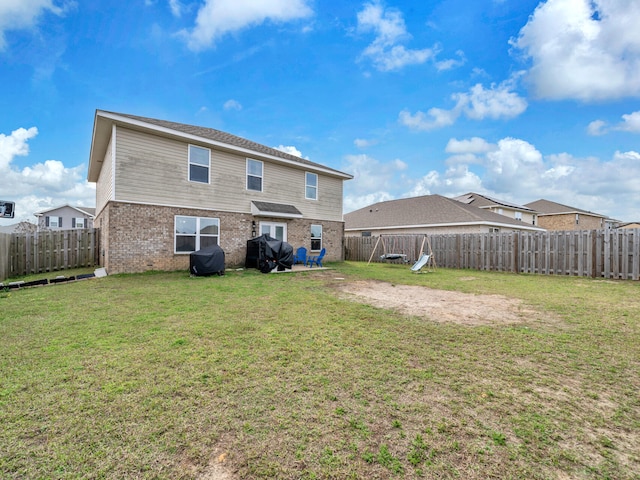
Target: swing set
424,258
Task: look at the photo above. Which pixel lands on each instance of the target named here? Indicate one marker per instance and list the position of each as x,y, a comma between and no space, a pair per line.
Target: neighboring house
555,216
511,210
428,214
166,189
629,225
65,217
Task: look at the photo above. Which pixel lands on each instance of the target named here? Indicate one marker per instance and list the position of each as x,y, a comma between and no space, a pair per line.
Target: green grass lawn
161,375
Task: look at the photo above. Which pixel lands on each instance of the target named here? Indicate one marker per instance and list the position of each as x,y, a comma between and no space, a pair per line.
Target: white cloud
232,104
456,180
176,7
630,123
451,63
515,170
290,150
23,14
583,49
472,145
511,169
363,143
498,101
49,184
597,128
387,51
373,180
217,18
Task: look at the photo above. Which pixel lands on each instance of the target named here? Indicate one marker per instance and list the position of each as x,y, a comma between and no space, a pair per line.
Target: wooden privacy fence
611,254
48,251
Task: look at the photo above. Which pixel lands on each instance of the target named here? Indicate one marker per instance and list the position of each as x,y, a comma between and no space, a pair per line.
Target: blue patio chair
317,259
300,256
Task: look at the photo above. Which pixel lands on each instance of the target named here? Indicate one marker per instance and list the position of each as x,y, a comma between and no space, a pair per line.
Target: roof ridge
223,137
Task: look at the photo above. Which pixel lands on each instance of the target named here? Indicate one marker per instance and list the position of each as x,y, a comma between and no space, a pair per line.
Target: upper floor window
519,216
195,233
53,222
254,175
311,186
78,223
577,219
199,163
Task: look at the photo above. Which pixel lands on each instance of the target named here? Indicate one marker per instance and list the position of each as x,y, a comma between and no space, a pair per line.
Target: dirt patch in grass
441,305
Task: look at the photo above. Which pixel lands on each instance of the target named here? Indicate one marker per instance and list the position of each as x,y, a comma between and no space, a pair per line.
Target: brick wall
567,221
137,238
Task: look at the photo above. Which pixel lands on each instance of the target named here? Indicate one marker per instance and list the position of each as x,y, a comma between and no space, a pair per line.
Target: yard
359,371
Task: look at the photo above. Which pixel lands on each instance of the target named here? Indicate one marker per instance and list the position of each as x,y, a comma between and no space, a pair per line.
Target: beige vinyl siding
104,185
154,170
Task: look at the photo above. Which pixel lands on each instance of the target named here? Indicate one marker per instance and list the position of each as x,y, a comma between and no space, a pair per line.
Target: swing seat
394,256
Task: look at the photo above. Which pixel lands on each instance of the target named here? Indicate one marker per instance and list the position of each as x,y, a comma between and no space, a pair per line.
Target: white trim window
316,238
199,164
518,216
274,230
310,186
195,233
78,223
254,175
53,222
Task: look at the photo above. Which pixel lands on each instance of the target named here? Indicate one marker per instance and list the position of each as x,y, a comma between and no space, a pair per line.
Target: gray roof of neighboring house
483,201
87,210
547,207
428,210
105,119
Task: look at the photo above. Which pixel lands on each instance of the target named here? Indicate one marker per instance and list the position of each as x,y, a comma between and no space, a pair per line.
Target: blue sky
519,100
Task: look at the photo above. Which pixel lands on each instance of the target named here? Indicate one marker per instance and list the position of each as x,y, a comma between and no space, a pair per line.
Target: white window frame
316,238
518,216
194,163
272,226
261,176
197,233
80,222
54,222
307,186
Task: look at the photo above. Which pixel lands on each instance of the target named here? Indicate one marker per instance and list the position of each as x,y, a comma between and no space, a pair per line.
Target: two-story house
65,217
509,209
556,216
166,189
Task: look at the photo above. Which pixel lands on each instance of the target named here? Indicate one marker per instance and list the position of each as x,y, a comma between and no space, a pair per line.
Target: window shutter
73,222
46,221
59,222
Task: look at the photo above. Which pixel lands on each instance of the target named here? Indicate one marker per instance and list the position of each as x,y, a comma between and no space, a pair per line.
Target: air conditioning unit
7,209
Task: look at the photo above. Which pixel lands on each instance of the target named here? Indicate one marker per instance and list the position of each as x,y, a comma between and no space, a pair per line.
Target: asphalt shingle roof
547,207
224,137
424,210
277,208
480,200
